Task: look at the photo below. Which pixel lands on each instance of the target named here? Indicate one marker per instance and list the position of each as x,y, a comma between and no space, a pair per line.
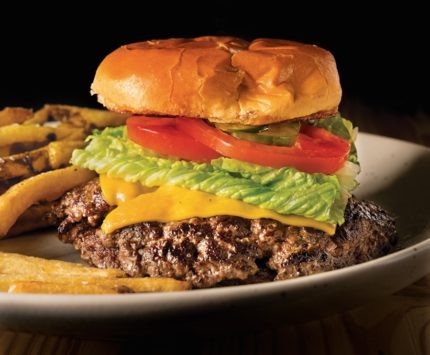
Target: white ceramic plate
395,174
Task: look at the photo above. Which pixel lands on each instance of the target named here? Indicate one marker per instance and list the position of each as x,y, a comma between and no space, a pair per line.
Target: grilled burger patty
221,249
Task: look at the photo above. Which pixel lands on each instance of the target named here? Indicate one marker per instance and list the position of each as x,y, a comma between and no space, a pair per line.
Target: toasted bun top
223,79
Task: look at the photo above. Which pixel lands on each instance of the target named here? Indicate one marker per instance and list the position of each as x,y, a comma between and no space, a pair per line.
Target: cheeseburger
234,167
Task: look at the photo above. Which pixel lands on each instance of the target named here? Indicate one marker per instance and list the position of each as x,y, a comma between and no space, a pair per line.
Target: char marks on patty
221,249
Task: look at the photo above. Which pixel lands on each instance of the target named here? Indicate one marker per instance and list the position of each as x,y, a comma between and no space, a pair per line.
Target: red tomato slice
315,151
162,136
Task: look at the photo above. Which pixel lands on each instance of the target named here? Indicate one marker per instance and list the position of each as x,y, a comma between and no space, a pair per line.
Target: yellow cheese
171,203
117,191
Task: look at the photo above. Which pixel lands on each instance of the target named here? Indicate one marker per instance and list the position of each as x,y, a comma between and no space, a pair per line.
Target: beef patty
222,249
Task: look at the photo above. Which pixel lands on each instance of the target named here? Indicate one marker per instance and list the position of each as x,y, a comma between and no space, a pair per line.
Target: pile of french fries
27,274
35,149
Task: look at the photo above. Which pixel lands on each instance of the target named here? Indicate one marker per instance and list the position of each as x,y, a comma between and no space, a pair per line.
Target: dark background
50,55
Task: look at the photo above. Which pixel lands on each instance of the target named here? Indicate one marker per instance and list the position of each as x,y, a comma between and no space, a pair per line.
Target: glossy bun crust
223,79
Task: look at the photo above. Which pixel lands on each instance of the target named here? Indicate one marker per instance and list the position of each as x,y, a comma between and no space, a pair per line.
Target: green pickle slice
281,134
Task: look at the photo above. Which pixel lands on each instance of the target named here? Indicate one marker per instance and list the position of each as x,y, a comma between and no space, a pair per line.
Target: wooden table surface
397,324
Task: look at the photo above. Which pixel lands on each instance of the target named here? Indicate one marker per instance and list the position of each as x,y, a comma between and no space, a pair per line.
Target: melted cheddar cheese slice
172,203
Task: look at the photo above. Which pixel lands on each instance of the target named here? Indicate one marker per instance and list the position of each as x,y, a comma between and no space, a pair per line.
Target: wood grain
398,324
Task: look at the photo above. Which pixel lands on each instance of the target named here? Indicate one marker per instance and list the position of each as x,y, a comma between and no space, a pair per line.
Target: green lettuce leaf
286,191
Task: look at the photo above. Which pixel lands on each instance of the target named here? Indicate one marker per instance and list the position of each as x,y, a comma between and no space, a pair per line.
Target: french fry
37,268
69,285
10,115
102,118
23,165
54,284
43,187
17,148
7,280
36,217
19,133
77,116
15,134
62,288
61,152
